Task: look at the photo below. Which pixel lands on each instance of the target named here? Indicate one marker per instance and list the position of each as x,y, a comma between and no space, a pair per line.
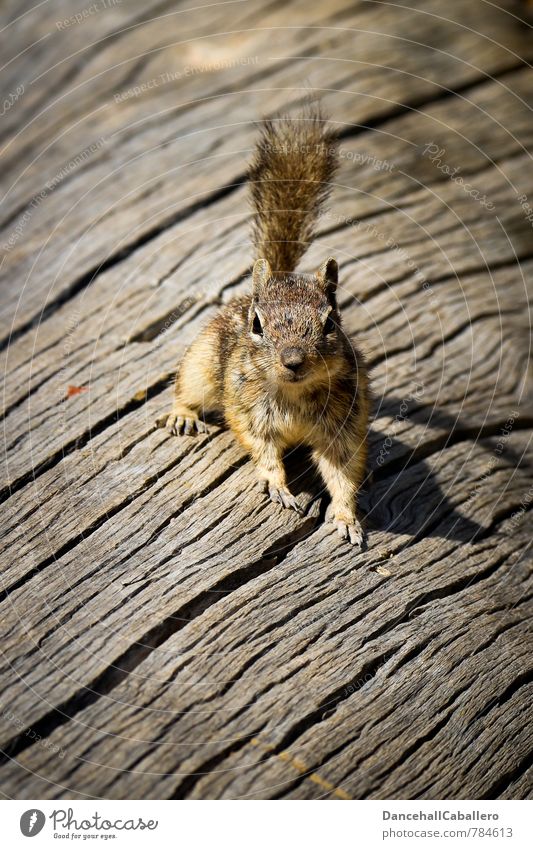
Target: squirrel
276,363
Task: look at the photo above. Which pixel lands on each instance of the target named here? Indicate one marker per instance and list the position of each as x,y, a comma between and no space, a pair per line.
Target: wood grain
165,631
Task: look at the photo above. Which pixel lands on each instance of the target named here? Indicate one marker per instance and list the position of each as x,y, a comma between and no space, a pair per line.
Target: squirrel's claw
280,495
350,531
171,425
187,425
285,498
357,535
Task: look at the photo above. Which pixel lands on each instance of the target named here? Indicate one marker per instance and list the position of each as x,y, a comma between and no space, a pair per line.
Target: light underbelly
293,430
287,426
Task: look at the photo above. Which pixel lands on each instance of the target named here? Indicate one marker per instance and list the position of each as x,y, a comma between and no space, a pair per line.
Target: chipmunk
276,362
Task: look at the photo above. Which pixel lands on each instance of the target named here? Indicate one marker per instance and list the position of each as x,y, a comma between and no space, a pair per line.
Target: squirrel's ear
328,276
260,274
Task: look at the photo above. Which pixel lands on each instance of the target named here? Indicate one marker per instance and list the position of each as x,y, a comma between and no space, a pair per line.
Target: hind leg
195,389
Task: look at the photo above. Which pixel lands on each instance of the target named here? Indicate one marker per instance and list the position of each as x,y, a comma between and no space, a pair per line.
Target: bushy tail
290,177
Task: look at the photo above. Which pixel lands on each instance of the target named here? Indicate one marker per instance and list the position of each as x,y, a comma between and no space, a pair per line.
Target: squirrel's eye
329,326
256,326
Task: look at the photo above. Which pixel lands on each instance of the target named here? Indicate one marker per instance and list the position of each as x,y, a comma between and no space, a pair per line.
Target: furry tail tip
290,181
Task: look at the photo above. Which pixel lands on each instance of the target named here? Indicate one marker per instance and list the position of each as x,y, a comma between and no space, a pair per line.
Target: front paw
186,423
281,495
347,527
352,532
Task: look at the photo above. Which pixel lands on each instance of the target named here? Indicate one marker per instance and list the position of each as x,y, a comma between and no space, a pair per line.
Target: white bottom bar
254,825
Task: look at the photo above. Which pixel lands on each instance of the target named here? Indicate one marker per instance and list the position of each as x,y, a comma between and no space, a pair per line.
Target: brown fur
276,362
290,180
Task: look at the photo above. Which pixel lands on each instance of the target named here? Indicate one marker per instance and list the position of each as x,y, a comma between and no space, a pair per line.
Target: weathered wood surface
165,631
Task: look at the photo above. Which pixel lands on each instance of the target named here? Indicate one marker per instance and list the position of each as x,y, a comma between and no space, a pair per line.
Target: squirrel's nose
292,358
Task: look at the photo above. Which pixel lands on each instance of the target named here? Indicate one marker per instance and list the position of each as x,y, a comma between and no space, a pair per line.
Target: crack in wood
82,283
456,435
129,660
154,389
504,782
